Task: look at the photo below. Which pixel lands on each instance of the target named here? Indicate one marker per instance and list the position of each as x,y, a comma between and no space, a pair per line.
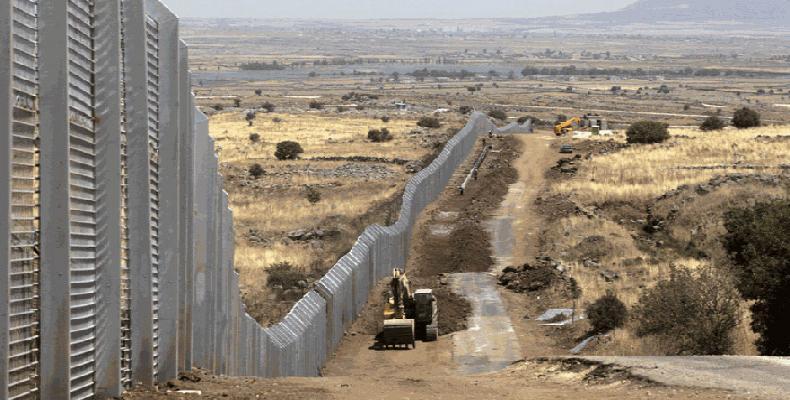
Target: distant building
402,106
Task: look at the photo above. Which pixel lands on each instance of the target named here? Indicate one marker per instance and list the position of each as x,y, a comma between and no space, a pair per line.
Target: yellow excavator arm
566,126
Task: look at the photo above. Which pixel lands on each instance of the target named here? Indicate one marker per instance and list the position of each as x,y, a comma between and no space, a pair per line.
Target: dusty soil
538,380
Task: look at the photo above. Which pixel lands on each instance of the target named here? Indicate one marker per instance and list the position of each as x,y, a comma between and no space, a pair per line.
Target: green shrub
269,107
379,136
313,195
285,275
535,121
746,118
385,119
712,123
316,105
465,110
288,150
607,313
256,171
255,137
758,240
429,122
498,114
647,132
691,313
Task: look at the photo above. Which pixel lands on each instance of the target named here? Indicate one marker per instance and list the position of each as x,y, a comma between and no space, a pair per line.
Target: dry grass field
353,193
677,185
691,157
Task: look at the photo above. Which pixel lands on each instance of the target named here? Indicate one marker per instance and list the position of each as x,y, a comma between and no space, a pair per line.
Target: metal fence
118,254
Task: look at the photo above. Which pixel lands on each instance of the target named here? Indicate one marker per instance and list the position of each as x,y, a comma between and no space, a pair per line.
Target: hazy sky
355,9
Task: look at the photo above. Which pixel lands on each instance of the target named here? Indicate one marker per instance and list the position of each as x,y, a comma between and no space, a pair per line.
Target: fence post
140,252
108,178
55,301
6,46
169,189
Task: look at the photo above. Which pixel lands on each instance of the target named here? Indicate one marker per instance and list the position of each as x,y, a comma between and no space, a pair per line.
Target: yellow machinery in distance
408,315
568,126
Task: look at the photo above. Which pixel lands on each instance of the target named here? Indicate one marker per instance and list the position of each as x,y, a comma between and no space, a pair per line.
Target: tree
746,118
691,313
712,123
607,313
258,92
250,117
498,114
647,132
758,241
288,150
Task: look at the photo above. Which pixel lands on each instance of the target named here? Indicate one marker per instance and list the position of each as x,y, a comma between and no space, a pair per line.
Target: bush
255,137
288,150
561,118
712,123
758,240
341,109
385,119
429,122
647,132
746,118
313,195
498,114
256,171
535,121
315,105
607,313
250,117
693,314
218,107
379,136
285,275
258,92
269,107
465,110
277,120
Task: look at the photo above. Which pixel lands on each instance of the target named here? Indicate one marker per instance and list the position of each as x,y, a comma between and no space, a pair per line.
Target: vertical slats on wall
125,284
139,189
164,45
82,174
6,152
22,179
109,199
152,58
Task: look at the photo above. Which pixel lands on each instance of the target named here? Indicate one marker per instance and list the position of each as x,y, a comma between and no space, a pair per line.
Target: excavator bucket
398,332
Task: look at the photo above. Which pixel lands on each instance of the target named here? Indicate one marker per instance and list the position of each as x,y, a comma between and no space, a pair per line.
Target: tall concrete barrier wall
118,242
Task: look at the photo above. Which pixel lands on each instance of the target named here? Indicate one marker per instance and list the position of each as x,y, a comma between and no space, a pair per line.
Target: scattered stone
610,276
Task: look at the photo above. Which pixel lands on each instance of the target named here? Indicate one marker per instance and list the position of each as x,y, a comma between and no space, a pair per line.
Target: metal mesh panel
152,55
82,164
24,263
126,322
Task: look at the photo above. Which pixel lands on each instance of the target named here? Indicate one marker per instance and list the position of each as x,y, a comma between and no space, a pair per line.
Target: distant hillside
759,12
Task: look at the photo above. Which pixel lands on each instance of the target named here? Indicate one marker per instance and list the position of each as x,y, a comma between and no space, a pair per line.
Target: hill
752,12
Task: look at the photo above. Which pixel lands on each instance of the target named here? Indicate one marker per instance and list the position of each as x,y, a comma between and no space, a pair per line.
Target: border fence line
117,259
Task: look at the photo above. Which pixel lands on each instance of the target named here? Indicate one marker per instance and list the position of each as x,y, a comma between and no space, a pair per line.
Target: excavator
562,128
408,315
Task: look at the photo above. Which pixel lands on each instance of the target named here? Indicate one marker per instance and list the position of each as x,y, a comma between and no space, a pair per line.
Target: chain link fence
118,254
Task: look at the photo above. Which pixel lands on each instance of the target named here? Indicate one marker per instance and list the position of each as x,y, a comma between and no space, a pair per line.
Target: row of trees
657,132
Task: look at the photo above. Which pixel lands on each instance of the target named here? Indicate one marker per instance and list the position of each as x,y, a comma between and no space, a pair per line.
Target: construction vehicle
565,127
408,315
